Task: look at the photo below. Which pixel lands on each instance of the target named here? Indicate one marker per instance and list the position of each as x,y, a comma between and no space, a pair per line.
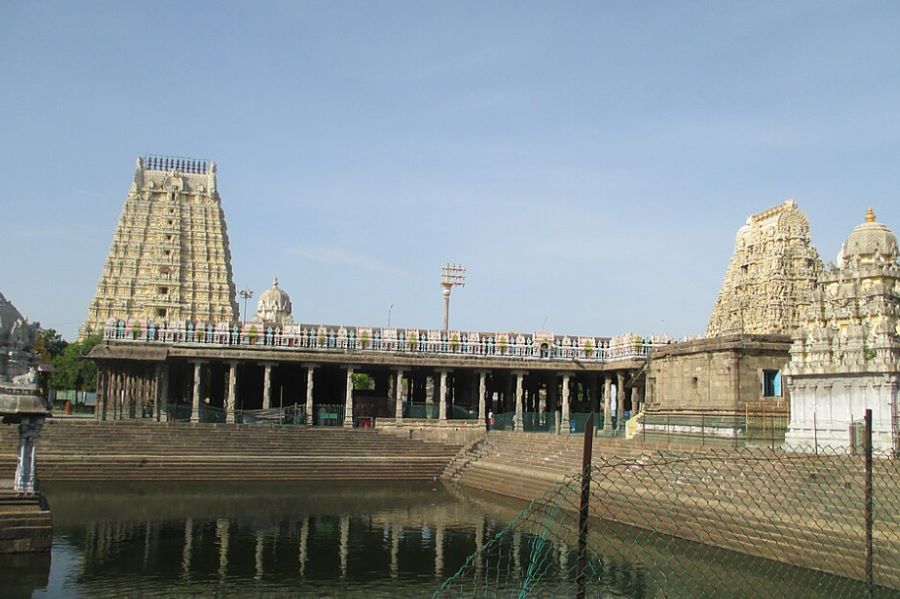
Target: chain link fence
725,522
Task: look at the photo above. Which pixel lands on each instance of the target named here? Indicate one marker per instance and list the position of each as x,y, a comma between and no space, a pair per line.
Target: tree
53,342
73,369
362,382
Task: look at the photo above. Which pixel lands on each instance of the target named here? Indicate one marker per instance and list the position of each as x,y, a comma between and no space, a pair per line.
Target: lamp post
452,275
245,295
391,307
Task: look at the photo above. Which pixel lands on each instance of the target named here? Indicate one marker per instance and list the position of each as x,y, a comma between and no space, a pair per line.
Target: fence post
867,439
816,433
772,431
702,430
580,579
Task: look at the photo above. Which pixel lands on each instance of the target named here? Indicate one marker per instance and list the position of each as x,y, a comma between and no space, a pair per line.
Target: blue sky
590,162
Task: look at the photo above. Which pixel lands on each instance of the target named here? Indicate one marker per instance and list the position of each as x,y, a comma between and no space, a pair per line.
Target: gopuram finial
870,215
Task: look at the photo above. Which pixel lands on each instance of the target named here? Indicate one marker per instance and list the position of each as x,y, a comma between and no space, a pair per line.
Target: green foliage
454,342
362,381
252,334
588,347
73,369
364,339
52,343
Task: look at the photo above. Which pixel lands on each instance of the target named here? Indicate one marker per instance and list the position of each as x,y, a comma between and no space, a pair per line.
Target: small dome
274,305
869,240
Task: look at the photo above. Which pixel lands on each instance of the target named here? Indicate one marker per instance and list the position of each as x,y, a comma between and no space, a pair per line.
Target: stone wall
721,375
452,432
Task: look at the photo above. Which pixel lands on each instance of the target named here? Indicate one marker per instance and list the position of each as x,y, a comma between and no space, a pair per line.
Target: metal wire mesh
726,522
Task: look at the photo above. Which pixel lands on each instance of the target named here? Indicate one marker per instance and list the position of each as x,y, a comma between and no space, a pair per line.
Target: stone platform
25,523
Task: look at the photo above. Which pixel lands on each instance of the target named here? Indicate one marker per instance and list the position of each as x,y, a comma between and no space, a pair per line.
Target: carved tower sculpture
846,353
169,257
771,277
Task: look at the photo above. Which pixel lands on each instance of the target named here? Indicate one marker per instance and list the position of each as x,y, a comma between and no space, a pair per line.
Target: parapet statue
28,378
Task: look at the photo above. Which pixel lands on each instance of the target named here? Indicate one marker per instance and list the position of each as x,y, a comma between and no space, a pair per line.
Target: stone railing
526,346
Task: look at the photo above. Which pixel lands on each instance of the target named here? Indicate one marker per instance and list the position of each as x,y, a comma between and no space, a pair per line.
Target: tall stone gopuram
771,277
169,257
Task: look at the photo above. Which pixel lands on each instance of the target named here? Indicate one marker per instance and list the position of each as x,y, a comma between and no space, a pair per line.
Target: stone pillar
482,395
232,392
607,404
195,402
309,393
564,425
26,458
620,400
348,399
429,396
442,406
398,394
518,418
635,401
164,390
267,387
99,410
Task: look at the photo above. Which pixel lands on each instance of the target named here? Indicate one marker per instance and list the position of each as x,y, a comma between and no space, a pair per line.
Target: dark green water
356,540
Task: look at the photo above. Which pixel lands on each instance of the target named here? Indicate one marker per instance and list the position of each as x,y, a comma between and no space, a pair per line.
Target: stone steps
151,451
804,510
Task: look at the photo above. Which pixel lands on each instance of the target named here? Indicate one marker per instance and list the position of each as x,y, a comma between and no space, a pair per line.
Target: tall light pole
245,295
452,275
391,307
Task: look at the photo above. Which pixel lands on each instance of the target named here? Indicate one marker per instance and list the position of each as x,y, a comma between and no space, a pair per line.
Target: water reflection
346,540
317,539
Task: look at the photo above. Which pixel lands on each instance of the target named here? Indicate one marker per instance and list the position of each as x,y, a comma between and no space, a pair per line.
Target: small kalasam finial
870,215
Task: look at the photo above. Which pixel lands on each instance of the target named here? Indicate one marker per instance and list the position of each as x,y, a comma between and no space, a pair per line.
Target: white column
348,399
517,419
26,463
195,406
267,387
232,392
443,402
482,395
309,393
620,401
398,395
607,404
564,425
